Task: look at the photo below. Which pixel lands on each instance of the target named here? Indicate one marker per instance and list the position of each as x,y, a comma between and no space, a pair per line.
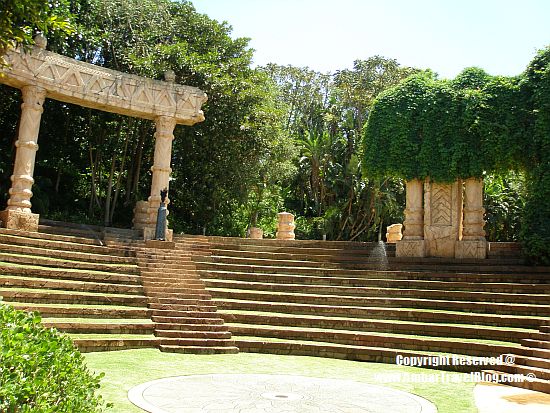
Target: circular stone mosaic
257,393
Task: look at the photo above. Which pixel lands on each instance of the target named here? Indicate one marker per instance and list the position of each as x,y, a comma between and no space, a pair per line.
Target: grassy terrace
128,368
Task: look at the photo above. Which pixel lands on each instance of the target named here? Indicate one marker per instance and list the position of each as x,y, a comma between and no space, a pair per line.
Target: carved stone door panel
442,218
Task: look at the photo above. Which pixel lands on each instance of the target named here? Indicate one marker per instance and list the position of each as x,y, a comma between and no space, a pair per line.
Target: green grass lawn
128,368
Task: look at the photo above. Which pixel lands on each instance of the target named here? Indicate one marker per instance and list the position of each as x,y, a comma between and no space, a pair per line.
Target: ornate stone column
412,244
473,243
18,213
145,213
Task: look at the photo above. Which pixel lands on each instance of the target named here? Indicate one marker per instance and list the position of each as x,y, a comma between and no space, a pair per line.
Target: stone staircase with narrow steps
358,301
185,317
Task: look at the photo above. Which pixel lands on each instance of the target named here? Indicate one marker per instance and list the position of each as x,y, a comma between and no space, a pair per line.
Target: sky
500,36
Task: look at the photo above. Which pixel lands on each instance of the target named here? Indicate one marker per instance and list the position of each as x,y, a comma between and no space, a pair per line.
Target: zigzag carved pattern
106,89
441,204
469,250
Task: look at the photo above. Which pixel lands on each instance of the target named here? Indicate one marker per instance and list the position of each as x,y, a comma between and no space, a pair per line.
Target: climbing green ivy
467,127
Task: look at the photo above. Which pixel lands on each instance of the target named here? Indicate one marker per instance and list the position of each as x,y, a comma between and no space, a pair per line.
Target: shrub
41,370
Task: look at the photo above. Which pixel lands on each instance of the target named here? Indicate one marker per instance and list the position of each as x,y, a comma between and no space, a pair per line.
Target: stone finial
170,76
40,41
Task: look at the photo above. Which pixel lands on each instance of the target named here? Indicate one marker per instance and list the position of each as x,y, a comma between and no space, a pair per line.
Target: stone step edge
238,328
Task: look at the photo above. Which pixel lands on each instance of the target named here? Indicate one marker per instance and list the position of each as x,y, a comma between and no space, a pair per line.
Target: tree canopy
21,19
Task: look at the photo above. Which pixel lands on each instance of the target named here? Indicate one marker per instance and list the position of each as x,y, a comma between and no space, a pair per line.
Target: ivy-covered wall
467,127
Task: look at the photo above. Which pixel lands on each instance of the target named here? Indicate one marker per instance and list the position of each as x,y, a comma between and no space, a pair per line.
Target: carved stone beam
84,84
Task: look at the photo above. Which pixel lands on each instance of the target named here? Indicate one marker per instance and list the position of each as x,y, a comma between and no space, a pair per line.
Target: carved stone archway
40,74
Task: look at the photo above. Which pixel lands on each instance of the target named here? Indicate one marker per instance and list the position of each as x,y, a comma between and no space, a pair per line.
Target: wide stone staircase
79,286
109,291
358,301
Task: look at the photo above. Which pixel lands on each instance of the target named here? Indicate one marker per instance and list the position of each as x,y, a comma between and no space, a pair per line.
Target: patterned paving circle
258,393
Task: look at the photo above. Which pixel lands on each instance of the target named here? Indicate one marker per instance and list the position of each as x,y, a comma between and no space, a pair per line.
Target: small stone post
255,233
393,233
18,213
285,228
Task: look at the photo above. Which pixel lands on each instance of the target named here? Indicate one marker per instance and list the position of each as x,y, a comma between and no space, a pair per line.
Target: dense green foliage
40,369
21,19
473,125
504,202
443,129
535,232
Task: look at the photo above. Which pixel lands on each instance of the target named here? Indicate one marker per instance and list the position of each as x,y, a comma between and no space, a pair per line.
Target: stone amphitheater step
532,371
127,327
295,245
201,349
188,318
413,326
107,342
379,291
529,360
497,265
214,328
521,276
339,351
193,334
389,313
29,295
356,284
356,303
96,256
531,383
67,244
85,311
401,341
61,263
49,237
317,255
536,343
177,292
68,285
67,273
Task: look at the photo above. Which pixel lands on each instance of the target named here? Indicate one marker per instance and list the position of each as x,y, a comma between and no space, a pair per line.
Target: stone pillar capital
165,125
